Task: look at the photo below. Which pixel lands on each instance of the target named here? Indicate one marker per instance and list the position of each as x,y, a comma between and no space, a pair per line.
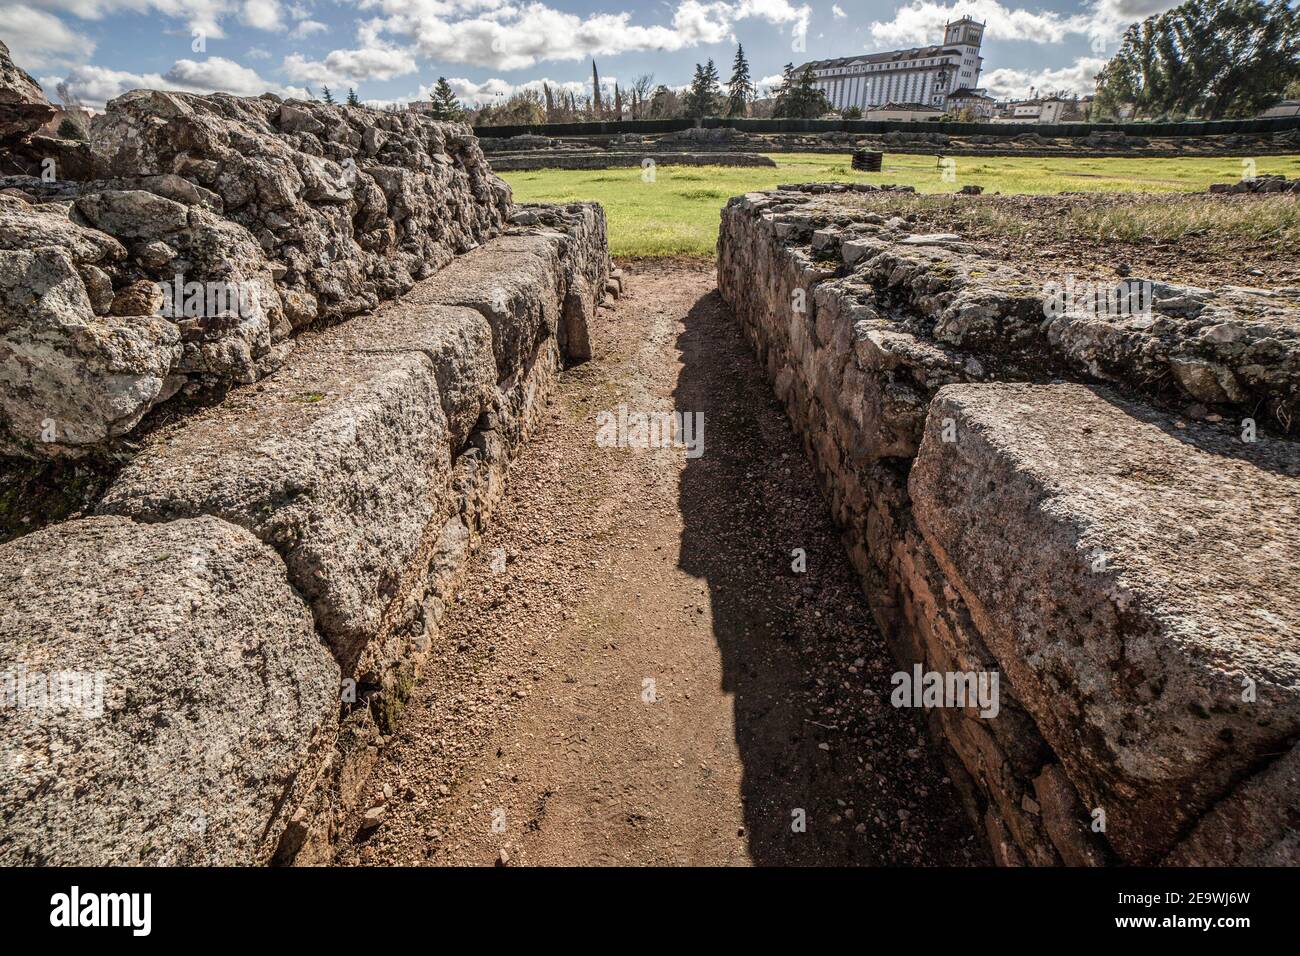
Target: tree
550,103
665,103
68,129
595,89
641,89
852,112
801,98
352,97
326,95
445,105
1206,58
704,97
740,90
1292,91
781,92
618,103
523,108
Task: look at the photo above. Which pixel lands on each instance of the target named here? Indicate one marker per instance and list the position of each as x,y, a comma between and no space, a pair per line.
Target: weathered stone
82,379
70,378
1258,824
1116,568
226,198
218,699
338,462
23,106
1149,738
1066,819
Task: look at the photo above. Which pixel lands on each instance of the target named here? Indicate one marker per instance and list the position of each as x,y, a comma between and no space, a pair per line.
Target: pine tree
595,90
713,92
326,95
703,97
445,104
741,88
809,101
352,97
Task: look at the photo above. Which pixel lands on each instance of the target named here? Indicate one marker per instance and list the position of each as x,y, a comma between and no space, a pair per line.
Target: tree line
705,96
1205,59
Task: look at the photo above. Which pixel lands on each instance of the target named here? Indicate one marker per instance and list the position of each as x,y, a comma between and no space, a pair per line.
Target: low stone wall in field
1022,498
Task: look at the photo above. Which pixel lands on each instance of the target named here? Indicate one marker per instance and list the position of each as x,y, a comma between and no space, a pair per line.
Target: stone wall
293,212
1020,497
202,670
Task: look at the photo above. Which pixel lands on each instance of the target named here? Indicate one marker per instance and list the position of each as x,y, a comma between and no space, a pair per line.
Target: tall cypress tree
595,89
741,88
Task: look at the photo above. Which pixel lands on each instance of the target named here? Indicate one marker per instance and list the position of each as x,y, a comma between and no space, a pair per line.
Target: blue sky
394,50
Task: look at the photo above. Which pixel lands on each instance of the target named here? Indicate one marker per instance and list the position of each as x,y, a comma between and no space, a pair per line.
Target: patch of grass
657,219
1253,221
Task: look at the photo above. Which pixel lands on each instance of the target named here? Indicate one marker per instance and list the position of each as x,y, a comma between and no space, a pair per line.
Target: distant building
1051,109
924,75
907,112
977,101
1284,108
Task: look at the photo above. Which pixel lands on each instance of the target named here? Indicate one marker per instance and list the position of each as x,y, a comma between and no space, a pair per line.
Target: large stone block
193,699
1134,578
339,462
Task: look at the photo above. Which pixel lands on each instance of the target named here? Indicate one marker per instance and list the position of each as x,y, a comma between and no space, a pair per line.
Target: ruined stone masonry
1023,494
249,604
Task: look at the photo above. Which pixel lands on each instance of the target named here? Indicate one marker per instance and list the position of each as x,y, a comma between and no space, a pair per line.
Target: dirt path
644,679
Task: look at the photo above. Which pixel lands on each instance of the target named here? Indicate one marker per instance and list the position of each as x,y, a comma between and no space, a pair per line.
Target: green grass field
677,214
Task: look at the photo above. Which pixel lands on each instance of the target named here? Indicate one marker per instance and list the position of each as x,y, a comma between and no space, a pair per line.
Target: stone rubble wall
259,587
314,212
1123,571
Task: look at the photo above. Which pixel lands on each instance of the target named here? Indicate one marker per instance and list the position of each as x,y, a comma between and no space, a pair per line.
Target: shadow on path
808,670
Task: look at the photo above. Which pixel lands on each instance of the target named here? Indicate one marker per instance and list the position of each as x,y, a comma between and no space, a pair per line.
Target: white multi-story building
925,75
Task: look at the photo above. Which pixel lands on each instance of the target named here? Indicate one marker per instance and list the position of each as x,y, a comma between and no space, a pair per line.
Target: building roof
890,57
908,107
966,93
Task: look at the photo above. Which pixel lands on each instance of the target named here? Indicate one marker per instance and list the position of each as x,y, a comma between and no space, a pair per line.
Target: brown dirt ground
531,738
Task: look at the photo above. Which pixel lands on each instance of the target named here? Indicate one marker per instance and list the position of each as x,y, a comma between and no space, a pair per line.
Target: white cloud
501,35
375,63
38,40
1080,77
95,85
306,28
837,12
202,15
497,89
920,22
262,14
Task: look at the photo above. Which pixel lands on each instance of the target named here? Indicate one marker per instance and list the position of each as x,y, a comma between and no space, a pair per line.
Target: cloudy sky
393,50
